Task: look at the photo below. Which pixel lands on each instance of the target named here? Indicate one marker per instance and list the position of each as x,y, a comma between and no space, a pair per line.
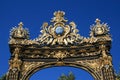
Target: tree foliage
118,77
3,77
118,74
70,76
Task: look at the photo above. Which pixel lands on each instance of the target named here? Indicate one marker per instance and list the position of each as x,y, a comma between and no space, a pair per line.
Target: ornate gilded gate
59,44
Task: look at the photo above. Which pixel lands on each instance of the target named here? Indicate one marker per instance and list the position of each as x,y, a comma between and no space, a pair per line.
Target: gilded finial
99,29
97,21
20,24
59,13
58,17
19,32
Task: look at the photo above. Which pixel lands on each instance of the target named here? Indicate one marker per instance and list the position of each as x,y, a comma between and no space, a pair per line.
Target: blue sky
34,12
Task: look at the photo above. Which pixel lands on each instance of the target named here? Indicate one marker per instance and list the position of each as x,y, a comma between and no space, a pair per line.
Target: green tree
117,74
70,76
3,77
118,77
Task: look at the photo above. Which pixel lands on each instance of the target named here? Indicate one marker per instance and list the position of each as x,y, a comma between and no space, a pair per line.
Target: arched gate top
58,42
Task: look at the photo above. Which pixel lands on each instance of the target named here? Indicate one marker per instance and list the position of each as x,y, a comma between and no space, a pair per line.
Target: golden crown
59,13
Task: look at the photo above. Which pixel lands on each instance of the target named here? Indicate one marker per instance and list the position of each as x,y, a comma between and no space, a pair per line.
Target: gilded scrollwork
59,32
60,54
23,42
15,63
30,65
106,59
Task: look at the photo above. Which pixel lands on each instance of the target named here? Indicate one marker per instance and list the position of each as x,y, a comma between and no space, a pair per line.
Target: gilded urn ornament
19,32
99,29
